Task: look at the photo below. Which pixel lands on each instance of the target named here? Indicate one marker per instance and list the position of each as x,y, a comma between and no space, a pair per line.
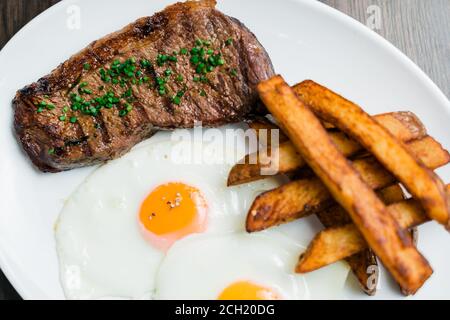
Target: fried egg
115,229
243,266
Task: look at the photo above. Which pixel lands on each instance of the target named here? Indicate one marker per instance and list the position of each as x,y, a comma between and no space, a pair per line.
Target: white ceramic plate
304,38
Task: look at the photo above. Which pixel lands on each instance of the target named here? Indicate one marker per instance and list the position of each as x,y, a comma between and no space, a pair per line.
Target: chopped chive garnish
234,72
161,59
203,58
145,64
195,50
51,151
229,41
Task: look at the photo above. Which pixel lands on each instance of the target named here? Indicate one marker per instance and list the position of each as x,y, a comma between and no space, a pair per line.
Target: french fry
300,198
403,125
336,216
390,243
364,264
334,244
422,183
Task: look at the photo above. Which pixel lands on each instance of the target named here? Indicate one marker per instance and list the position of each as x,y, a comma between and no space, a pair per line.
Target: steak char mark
83,113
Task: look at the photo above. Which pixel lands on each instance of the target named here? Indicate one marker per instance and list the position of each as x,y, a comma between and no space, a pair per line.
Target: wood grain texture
419,28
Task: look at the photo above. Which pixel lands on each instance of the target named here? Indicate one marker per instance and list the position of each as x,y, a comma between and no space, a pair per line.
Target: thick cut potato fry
336,216
334,244
422,183
300,198
405,126
262,123
384,235
364,264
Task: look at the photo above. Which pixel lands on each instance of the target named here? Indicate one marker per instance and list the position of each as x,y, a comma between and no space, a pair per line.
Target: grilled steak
187,63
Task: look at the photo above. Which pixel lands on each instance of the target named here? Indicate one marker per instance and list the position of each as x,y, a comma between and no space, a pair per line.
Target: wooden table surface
418,28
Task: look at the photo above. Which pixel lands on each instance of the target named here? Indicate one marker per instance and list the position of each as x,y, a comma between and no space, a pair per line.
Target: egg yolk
171,212
246,290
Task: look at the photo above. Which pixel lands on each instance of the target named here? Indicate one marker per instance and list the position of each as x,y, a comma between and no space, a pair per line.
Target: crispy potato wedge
334,244
403,125
384,235
302,197
421,182
336,216
260,123
363,264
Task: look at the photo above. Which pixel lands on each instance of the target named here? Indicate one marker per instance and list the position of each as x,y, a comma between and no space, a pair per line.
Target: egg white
99,242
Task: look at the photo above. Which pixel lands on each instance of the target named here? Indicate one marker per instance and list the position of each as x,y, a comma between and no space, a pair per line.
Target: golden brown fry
364,264
262,123
422,183
392,194
245,172
390,243
336,216
403,125
334,244
414,234
329,246
299,198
